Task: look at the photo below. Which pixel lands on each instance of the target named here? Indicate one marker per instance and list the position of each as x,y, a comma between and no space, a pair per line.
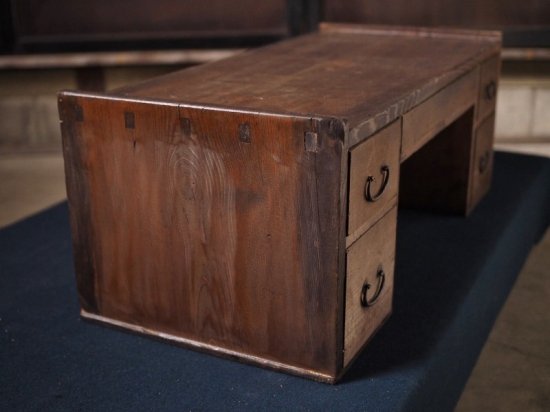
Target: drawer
374,178
483,160
424,121
488,82
370,261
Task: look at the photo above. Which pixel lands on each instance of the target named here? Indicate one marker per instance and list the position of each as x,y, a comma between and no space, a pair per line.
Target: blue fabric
453,275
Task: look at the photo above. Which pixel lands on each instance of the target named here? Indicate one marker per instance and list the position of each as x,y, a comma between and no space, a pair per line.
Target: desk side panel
210,225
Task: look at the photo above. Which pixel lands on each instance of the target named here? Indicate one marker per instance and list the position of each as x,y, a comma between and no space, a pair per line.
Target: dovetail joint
185,125
78,113
311,142
129,120
244,133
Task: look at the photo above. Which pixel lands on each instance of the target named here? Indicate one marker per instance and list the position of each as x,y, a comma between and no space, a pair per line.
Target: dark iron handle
491,90
484,161
366,286
385,170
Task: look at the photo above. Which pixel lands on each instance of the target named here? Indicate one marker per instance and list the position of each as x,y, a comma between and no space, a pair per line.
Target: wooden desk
248,207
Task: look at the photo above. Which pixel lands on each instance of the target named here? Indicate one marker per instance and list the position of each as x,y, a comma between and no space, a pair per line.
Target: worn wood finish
105,24
488,85
482,164
78,197
480,14
225,207
433,115
367,160
525,23
375,250
332,74
114,59
252,219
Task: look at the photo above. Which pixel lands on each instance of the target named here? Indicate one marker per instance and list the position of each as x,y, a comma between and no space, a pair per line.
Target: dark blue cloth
452,277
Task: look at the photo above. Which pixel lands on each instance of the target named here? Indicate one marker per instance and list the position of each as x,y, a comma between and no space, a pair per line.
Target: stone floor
30,182
513,371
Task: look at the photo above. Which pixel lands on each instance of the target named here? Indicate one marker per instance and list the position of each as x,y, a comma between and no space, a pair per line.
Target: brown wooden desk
248,207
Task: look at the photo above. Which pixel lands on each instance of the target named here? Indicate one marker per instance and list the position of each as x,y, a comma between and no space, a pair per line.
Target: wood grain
482,167
201,235
224,207
103,20
120,58
484,14
426,120
352,75
488,86
75,152
374,250
209,348
367,159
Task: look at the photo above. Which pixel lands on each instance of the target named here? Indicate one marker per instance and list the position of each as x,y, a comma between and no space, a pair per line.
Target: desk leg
438,176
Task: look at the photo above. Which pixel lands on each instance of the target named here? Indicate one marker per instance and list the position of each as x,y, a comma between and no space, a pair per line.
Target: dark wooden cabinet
63,25
523,23
39,25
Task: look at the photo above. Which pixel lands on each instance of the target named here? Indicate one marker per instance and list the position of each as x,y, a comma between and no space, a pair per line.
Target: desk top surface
350,72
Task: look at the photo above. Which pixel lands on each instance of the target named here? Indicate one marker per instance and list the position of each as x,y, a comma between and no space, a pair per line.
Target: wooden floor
513,371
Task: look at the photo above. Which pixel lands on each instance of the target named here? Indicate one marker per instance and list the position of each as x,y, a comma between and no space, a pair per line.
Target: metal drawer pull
484,161
491,90
385,170
366,286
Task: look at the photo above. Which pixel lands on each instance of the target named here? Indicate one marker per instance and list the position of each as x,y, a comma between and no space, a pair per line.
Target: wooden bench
248,207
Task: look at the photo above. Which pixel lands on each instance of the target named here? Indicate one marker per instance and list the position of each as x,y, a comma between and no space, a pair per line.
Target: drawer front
423,122
370,261
482,169
488,82
374,178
